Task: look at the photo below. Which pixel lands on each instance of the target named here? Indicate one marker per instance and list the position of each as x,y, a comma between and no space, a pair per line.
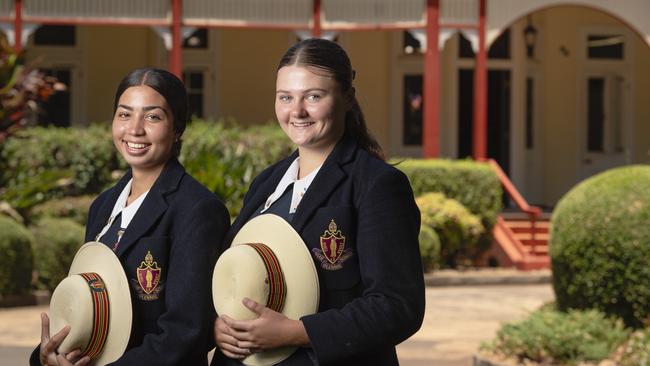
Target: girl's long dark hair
331,57
167,85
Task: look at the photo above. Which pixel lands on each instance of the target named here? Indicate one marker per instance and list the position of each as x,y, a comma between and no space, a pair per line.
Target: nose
298,109
136,125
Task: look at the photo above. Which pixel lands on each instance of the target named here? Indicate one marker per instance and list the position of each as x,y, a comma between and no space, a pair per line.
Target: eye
284,98
122,114
153,117
313,97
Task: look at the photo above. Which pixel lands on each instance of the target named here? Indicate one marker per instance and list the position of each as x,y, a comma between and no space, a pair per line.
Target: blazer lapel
153,207
326,181
104,211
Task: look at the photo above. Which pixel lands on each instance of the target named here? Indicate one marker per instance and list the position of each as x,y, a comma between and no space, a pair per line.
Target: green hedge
40,164
473,184
16,259
75,208
55,243
600,245
429,248
458,229
551,337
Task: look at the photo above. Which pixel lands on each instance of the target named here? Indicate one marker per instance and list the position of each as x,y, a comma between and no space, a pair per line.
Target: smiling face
143,129
310,107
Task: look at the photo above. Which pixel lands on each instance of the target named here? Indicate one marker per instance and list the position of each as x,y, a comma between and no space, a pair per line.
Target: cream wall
561,74
369,53
246,72
110,53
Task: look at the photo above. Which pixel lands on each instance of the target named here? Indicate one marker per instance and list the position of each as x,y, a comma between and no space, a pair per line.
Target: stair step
518,215
526,224
541,237
538,250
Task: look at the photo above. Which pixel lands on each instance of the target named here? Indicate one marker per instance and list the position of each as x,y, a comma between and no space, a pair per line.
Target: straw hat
267,262
94,300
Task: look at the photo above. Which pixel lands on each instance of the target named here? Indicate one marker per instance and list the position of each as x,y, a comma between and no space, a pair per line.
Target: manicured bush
16,259
75,208
226,159
458,229
471,183
38,164
56,242
636,351
429,248
554,337
600,245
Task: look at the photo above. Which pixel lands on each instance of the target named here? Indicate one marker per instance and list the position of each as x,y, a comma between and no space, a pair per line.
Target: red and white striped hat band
101,315
277,285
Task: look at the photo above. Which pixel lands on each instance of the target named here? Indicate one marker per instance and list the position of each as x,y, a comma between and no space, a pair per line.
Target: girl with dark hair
371,286
159,221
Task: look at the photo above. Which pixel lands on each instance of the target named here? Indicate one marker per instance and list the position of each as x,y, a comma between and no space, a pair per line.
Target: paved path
457,320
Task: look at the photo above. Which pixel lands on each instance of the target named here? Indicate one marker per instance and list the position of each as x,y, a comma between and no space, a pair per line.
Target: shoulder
368,172
191,193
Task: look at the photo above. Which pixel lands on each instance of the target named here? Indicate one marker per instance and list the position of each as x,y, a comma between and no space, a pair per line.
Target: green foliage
39,164
75,208
600,245
472,184
16,259
226,159
636,351
458,229
554,337
429,248
56,242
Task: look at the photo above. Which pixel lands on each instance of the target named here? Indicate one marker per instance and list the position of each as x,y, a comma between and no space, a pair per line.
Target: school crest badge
332,252
148,275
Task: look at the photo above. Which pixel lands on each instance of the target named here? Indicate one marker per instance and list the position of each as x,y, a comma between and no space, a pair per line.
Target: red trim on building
480,92
96,21
316,26
431,123
18,25
176,52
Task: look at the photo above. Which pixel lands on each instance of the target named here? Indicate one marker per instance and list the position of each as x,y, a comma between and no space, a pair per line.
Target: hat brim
299,271
97,257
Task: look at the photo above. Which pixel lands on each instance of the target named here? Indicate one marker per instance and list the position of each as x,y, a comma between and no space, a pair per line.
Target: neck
310,159
143,180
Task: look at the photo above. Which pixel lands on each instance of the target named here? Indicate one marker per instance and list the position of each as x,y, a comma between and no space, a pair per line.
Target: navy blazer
372,296
182,224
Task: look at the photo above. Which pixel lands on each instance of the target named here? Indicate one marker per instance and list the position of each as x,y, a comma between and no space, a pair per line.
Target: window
604,114
197,40
55,35
529,113
608,47
194,84
412,110
56,110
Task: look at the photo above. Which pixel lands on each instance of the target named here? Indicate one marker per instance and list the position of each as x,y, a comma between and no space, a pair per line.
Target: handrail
532,211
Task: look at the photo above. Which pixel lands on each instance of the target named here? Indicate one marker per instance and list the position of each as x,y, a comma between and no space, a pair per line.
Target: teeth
301,124
136,146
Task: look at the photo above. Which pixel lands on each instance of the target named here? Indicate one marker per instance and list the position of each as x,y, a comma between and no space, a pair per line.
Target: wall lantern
530,37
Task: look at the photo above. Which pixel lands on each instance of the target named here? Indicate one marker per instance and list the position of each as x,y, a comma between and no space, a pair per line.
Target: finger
241,335
232,355
233,349
253,306
56,340
62,361
252,346
45,328
73,355
85,360
235,325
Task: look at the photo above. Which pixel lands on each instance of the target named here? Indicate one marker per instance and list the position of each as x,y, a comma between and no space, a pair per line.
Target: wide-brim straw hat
94,300
267,262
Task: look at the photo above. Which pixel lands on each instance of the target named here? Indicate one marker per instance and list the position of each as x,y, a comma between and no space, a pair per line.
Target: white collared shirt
127,211
300,186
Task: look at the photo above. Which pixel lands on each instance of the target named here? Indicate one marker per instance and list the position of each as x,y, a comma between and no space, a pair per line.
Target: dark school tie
112,237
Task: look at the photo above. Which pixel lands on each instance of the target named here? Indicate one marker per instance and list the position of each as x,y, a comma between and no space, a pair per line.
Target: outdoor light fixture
530,37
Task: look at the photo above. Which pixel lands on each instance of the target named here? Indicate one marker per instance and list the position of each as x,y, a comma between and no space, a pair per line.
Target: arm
391,307
185,327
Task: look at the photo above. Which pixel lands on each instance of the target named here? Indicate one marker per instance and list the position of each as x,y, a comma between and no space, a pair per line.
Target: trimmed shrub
429,248
226,159
75,208
38,164
471,183
554,337
636,351
600,245
458,229
56,242
16,258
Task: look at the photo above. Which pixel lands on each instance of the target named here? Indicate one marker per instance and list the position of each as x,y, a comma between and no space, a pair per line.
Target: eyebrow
305,91
145,108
